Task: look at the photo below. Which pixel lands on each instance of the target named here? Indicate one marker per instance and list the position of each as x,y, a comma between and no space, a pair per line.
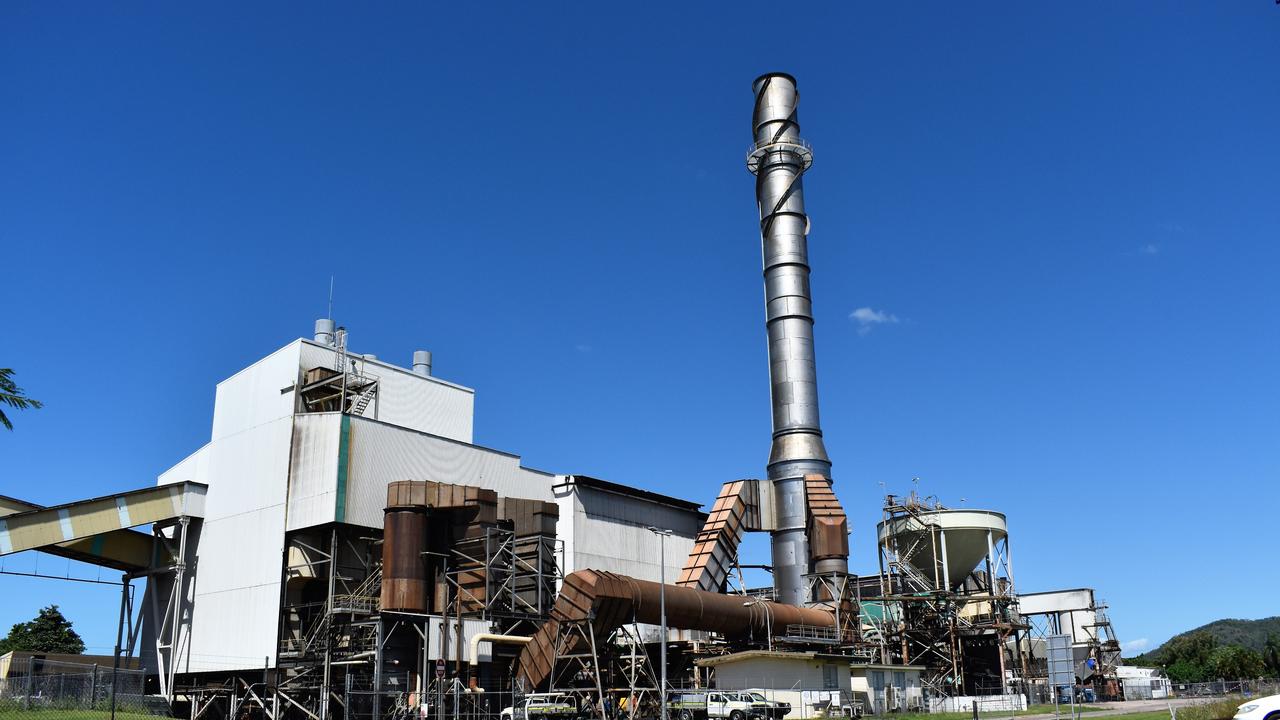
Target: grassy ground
56,714
1222,709
1033,710
1042,709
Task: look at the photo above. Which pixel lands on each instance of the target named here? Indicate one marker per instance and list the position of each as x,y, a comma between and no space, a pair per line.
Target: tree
1271,655
49,632
1186,657
13,396
1185,671
1194,648
1233,662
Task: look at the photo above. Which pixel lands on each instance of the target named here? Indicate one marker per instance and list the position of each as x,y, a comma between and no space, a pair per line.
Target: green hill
1248,633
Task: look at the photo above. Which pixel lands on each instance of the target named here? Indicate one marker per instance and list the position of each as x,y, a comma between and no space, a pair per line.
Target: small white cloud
1135,645
1150,249
583,348
867,319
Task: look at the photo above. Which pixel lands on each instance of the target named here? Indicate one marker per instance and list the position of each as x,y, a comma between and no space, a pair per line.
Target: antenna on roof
330,297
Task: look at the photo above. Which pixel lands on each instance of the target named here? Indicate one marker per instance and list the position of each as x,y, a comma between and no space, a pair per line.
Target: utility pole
662,609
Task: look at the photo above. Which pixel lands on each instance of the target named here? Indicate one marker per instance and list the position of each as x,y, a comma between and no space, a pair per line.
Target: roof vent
422,362
324,331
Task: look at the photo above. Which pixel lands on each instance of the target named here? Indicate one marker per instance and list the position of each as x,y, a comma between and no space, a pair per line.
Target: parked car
542,706
688,705
766,708
1263,708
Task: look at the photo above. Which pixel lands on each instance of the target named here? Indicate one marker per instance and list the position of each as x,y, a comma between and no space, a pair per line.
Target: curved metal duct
610,601
778,159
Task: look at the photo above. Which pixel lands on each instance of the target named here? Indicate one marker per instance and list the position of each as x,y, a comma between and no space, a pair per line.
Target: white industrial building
283,458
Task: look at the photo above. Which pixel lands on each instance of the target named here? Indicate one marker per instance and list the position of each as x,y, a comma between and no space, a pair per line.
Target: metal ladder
362,403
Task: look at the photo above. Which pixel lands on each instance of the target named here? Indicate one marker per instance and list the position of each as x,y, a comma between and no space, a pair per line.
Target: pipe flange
757,153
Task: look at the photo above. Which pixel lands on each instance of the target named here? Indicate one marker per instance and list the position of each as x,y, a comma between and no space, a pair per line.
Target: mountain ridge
1228,631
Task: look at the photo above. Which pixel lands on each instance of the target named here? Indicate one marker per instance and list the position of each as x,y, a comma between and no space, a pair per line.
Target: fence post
115,660
26,700
93,688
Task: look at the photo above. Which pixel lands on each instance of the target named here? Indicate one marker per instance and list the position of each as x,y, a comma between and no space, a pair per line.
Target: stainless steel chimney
778,160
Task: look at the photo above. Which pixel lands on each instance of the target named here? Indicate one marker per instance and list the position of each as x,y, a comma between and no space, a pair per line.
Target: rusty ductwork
404,575
828,527
737,510
610,601
425,520
410,581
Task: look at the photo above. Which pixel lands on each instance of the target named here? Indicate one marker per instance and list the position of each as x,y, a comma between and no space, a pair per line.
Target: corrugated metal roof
606,486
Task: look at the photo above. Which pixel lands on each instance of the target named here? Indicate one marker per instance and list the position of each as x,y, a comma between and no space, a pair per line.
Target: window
900,680
877,680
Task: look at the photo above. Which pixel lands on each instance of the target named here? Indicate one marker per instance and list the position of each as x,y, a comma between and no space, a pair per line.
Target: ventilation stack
778,159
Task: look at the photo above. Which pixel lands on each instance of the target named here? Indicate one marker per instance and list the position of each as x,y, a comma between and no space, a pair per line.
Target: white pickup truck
725,705
542,706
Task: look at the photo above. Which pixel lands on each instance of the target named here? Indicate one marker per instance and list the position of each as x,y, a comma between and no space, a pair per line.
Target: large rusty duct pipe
779,159
610,601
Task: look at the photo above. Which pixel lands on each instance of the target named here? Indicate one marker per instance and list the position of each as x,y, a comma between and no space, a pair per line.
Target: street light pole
662,610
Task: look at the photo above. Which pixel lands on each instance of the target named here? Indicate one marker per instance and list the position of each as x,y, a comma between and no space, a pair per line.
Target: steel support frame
168,618
931,625
576,653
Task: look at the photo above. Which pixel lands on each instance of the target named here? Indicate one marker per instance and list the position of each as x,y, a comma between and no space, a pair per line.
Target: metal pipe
611,601
478,638
778,159
946,561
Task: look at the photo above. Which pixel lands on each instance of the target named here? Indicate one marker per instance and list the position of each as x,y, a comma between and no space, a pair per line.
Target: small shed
813,683
888,688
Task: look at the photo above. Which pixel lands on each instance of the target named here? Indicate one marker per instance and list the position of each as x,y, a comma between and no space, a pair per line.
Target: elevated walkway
97,530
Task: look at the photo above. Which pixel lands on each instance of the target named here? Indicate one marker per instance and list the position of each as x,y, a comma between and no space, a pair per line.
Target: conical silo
960,538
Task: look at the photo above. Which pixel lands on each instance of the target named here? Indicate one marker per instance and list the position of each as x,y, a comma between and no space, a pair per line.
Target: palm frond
13,396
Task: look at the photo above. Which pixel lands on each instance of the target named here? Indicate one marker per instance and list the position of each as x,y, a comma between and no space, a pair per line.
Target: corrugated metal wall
252,396
610,533
470,628
425,404
380,454
313,470
236,595
236,600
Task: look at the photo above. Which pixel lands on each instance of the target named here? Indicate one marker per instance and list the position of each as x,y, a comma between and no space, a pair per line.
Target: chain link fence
1220,688
38,688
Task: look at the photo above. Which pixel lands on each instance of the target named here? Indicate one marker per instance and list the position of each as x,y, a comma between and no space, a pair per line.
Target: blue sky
1044,243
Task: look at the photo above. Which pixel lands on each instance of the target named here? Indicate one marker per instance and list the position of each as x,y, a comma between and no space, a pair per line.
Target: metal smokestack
778,160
